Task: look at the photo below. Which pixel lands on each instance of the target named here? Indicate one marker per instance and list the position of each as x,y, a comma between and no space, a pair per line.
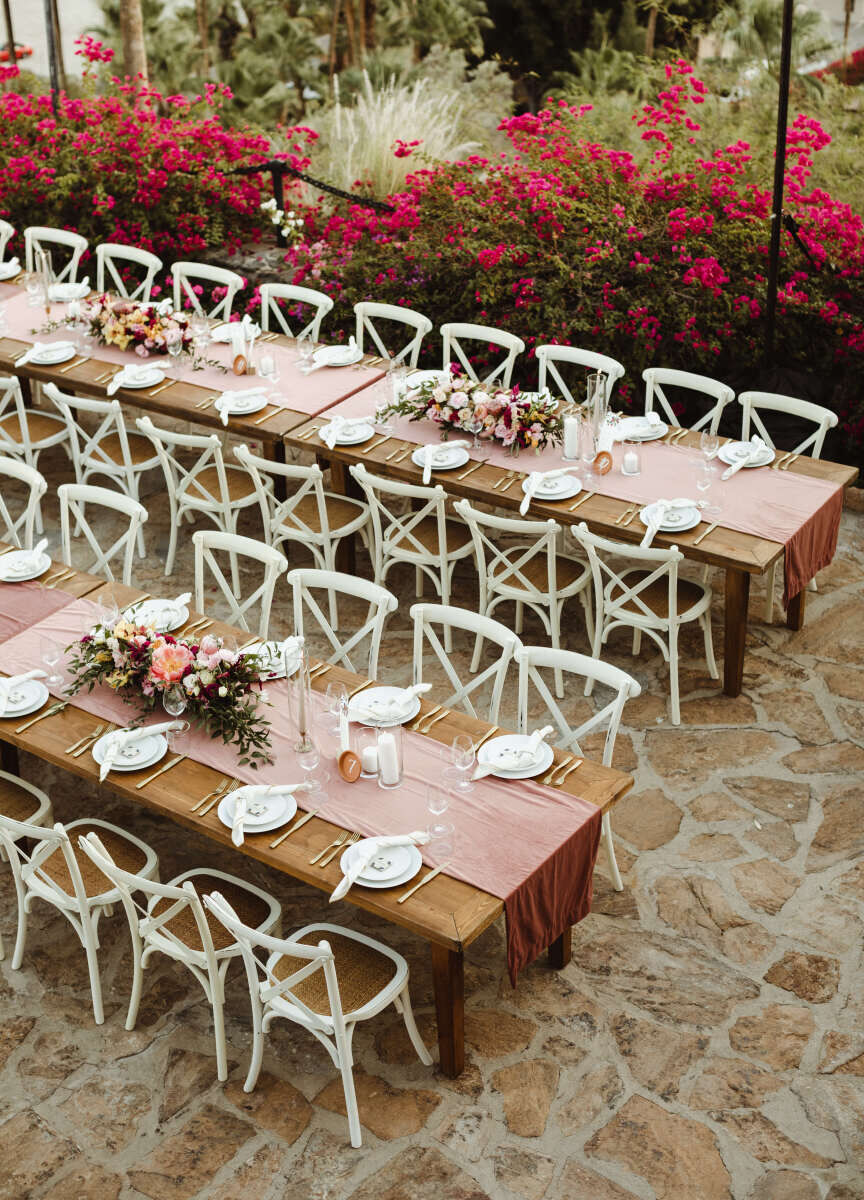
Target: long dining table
740,555
448,913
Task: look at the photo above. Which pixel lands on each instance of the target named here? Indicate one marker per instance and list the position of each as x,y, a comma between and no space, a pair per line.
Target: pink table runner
800,512
310,394
23,604
534,847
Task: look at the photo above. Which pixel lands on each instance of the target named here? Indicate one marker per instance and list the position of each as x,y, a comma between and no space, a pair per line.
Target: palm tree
132,34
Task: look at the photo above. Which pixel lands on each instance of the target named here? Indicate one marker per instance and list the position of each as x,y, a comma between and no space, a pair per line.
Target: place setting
135,377
443,456
347,355
258,808
515,755
21,695
48,354
670,516
162,616
135,749
558,484
347,431
277,659
386,706
745,456
380,862
21,566
647,428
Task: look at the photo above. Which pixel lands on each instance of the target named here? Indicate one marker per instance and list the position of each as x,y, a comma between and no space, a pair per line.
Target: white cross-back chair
7,232
28,805
368,312
26,432
206,488
551,357
426,617
295,296
112,258
55,871
308,515
73,498
455,332
648,597
423,537
325,979
174,923
208,543
305,581
720,393
50,240
107,450
531,573
753,404
533,660
188,276
17,476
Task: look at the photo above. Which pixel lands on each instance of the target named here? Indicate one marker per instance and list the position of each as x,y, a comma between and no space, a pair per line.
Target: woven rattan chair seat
251,910
16,803
39,425
656,594
205,485
362,972
125,854
568,571
426,532
340,511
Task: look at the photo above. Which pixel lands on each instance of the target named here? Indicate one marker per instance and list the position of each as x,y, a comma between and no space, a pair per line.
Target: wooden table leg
9,758
561,950
280,483
448,973
342,481
737,597
795,611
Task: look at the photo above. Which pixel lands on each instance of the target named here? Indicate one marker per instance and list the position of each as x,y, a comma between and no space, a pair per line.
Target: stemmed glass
305,348
705,476
709,443
175,351
479,449
441,832
462,757
52,653
309,758
175,700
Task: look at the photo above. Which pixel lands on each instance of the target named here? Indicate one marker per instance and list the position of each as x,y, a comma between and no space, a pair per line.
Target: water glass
175,351
305,348
705,476
33,287
52,653
174,737
442,843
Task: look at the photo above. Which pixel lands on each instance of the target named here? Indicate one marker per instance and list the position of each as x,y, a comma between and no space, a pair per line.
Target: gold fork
216,791
558,766
87,742
628,511
422,720
334,846
232,787
573,766
351,840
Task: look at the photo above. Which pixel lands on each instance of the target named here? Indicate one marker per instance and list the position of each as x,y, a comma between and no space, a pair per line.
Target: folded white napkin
237,332
62,293
10,268
371,849
27,560
340,426
7,686
122,739
757,447
437,453
387,710
132,373
247,796
515,760
39,348
534,481
662,507
227,400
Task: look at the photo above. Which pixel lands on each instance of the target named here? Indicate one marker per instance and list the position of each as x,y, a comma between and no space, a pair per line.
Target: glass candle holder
390,757
366,740
300,704
631,461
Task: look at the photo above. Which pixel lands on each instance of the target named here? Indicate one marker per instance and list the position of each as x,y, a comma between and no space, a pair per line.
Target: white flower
223,691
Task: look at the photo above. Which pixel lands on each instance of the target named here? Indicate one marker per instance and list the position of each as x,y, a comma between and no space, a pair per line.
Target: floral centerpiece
222,686
145,328
519,421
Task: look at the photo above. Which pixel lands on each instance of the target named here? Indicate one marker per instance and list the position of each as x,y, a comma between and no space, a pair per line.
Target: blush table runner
532,846
24,604
310,394
800,512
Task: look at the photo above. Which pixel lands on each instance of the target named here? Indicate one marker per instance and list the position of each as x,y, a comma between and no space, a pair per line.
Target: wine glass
705,476
335,699
305,348
462,756
476,426
309,758
175,700
437,804
175,352
52,653
709,443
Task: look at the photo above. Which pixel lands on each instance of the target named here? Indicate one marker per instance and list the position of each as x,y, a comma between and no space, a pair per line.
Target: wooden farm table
446,913
740,555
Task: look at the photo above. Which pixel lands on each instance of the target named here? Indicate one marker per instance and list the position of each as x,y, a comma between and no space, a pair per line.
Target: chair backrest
532,660
625,599
720,393
14,836
427,616
208,543
19,530
47,238
368,311
507,565
84,439
453,334
182,480
188,289
306,580
803,410
272,293
15,411
304,482
550,356
109,254
73,497
7,231
396,530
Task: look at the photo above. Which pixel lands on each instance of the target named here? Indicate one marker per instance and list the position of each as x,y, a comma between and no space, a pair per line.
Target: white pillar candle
571,437
388,760
369,760
630,463
266,365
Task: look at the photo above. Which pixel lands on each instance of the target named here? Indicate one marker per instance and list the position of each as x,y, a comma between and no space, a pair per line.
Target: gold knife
485,737
306,817
266,417
49,712
422,720
430,875
705,533
582,500
435,720
161,771
789,462
375,445
474,467
360,688
69,366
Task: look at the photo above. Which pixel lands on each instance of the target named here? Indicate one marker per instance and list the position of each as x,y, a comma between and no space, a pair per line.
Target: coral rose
168,663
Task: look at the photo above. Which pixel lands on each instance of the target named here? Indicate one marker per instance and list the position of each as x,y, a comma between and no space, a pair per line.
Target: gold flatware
631,508
320,670
435,720
486,736
53,575
297,824
106,375
180,758
304,437
670,436
574,766
63,578
360,688
216,791
9,550
194,624
581,500
162,387
630,518
426,878
789,462
69,366
375,445
422,720
681,434
406,454
268,337
49,712
253,642
232,787
705,533
351,840
89,741
202,625
496,485
266,417
397,450
334,846
507,486
558,767
86,738
473,467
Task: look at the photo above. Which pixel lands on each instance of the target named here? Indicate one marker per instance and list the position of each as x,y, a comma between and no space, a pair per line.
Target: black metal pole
279,197
52,54
779,169
10,37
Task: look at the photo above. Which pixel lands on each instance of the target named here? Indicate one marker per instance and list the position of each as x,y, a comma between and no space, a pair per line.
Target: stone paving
706,1042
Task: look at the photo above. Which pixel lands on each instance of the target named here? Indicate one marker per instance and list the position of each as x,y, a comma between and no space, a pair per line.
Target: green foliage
629,35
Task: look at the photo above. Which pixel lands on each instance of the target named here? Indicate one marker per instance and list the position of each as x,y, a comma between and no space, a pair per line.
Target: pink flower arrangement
169,661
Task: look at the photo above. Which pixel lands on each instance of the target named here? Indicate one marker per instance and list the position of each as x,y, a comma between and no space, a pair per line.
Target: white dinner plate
8,573
357,708
375,879
337,356
241,407
225,812
59,353
676,521
446,460
733,452
144,379
268,809
637,429
274,659
416,379
146,752
561,488
490,751
8,270
26,698
352,436
162,615
62,293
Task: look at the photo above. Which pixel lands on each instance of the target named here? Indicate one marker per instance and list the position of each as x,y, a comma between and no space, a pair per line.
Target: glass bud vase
300,704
